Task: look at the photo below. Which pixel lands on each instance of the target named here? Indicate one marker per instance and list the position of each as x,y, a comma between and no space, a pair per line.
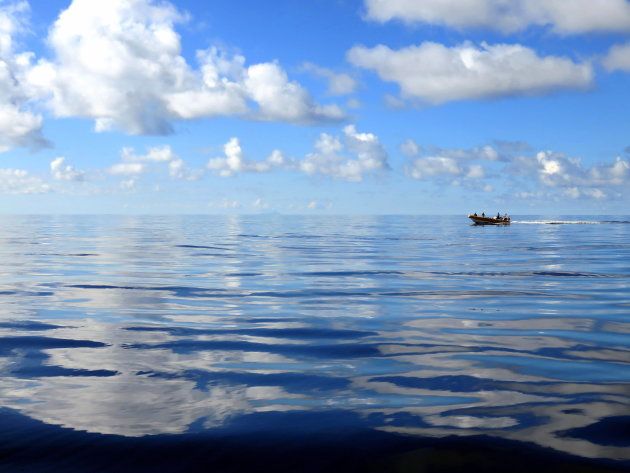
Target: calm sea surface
315,344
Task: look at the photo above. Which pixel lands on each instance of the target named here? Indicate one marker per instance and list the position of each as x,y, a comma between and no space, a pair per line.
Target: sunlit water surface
313,343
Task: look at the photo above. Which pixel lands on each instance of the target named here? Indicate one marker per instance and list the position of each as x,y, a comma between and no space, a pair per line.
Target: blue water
273,343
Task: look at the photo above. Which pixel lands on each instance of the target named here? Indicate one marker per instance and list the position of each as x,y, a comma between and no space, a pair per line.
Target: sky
314,106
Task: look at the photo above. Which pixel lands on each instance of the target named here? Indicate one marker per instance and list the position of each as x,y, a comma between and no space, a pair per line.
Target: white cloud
19,126
279,99
410,148
135,164
563,16
338,84
316,205
155,154
618,58
19,181
234,161
61,171
421,168
436,74
481,153
349,157
556,170
119,62
127,169
330,160
114,61
177,169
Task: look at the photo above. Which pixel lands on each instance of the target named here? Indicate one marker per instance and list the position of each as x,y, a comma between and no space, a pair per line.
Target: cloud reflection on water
410,339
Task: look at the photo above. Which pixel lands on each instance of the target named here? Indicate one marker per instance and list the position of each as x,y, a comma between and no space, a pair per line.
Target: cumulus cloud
618,58
61,171
562,16
234,161
134,164
19,125
19,181
349,157
436,74
177,169
119,63
571,177
155,154
481,153
127,169
440,166
338,84
366,156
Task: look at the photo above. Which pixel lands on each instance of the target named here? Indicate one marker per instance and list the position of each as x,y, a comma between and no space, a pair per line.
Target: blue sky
319,106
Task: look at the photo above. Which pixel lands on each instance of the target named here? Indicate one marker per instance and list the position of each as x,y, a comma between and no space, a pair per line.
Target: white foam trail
559,222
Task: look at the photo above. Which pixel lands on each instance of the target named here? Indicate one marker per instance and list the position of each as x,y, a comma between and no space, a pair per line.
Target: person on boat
483,214
498,215
475,214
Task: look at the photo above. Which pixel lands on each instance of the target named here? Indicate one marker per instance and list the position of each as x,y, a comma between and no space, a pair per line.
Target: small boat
489,220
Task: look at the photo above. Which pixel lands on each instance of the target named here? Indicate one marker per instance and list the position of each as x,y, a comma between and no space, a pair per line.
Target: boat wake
571,222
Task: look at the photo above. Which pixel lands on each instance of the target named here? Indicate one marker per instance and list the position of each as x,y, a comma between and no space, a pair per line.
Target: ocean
314,344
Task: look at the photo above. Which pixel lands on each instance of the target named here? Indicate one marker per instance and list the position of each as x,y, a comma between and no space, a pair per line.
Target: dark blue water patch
201,247
611,431
29,325
411,293
298,383
341,350
179,291
298,442
44,371
310,294
456,383
65,254
8,344
293,333
348,273
480,274
397,419
267,320
573,352
27,293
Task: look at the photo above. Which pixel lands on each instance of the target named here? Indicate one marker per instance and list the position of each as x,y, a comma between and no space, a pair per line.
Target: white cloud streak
508,16
19,125
19,181
437,74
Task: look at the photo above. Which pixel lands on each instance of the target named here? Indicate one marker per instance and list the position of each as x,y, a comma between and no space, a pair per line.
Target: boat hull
489,220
